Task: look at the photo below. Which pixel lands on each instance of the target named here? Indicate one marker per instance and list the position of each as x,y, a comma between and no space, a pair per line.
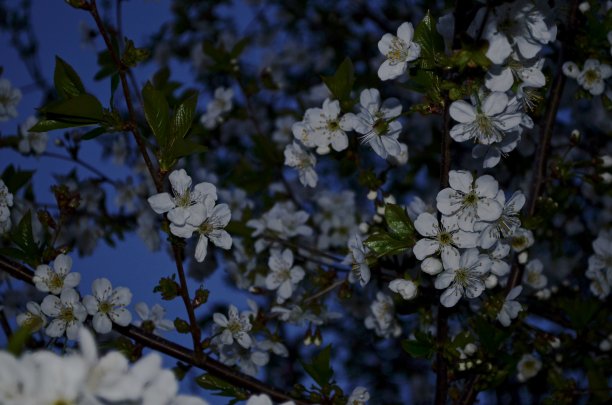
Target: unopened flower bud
584,7
606,177
575,136
523,257
372,195
491,281
470,349
605,160
390,199
380,210
377,218
364,227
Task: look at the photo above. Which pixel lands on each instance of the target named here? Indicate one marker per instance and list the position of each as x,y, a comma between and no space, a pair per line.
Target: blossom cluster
64,306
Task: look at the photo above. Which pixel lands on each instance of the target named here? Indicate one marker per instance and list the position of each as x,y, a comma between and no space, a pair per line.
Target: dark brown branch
170,348
442,317
540,162
133,123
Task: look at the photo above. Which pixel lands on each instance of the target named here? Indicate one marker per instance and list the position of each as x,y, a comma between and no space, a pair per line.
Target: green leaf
156,113
222,387
83,109
431,42
67,81
183,117
183,147
23,237
399,223
18,340
15,179
94,133
320,369
422,346
45,125
341,83
383,244
489,334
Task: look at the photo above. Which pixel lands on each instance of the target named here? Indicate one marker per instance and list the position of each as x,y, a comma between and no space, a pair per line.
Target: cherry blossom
54,281
398,51
462,276
471,200
107,305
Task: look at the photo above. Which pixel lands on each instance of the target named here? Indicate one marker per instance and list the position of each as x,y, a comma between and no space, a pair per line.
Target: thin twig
324,291
82,163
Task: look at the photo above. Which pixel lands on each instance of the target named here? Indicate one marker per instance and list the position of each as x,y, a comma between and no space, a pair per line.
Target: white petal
424,248
101,323
62,264
460,180
201,249
161,202
426,224
121,316
462,112
450,297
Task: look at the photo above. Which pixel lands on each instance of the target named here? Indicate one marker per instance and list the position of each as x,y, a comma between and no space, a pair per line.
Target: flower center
105,307
591,76
206,228
333,125
470,199
445,238
56,282
381,126
66,314
184,199
398,52
462,276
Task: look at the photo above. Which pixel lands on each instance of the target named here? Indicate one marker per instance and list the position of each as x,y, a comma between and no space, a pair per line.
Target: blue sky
130,264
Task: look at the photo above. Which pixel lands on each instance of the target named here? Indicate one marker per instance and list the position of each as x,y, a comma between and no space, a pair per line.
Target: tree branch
170,348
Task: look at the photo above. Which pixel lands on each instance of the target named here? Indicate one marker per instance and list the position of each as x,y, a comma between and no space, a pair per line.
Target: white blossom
67,312
179,204
54,281
486,123
406,288
533,275
357,259
359,396
233,327
378,124
600,265
155,315
6,201
442,237
284,276
528,367
593,76
327,127
34,318
107,305
462,276
470,200
510,308
304,162
382,317
219,105
506,224
398,51
9,98
31,141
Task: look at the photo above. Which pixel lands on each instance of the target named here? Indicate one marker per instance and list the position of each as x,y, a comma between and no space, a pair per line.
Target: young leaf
384,244
156,113
67,81
222,387
15,179
399,223
183,117
431,42
341,83
421,346
319,369
23,237
83,109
